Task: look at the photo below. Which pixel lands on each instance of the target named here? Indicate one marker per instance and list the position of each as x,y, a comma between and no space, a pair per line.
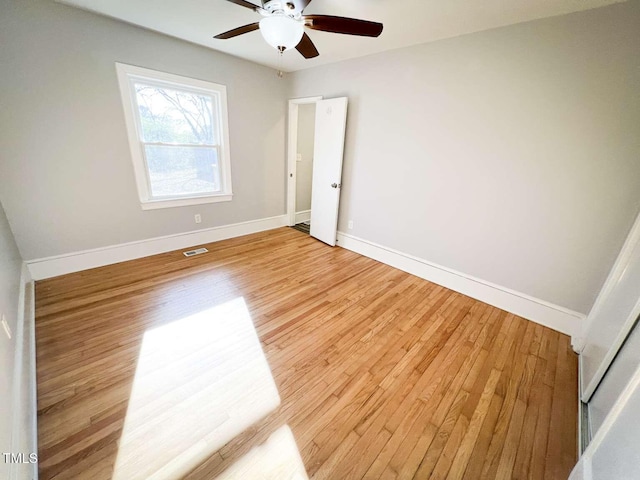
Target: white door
331,120
613,315
613,453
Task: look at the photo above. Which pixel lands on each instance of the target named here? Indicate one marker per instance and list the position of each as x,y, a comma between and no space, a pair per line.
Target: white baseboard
303,216
74,262
24,437
534,309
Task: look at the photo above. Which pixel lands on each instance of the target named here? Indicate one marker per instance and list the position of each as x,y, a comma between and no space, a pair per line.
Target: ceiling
406,22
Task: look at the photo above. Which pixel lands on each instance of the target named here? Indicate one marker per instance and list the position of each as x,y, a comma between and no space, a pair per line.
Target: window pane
179,171
174,116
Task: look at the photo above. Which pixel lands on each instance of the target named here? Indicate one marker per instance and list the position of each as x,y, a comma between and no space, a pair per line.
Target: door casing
292,149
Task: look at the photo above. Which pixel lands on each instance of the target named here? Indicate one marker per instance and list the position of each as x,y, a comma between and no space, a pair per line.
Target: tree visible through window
180,131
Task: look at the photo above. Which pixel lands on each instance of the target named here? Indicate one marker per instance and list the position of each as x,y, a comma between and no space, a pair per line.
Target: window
179,137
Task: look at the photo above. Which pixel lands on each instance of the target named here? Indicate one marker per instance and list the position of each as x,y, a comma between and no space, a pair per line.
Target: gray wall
10,268
304,168
66,178
512,155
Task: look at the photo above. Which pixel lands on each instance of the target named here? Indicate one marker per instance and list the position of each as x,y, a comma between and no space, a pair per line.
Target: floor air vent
197,251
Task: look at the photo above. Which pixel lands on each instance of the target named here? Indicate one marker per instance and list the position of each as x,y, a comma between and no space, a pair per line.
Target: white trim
616,272
16,389
176,202
292,150
540,311
24,366
126,75
303,216
584,430
74,262
32,405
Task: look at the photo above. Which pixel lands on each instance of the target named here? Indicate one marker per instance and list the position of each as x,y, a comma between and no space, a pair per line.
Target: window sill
184,202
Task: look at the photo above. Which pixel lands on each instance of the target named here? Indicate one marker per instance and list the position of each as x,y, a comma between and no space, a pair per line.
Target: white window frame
127,75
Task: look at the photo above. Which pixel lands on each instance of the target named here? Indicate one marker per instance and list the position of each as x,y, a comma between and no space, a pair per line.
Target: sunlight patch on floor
276,459
199,382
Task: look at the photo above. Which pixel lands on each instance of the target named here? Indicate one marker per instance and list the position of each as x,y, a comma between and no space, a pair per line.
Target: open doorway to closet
302,113
315,152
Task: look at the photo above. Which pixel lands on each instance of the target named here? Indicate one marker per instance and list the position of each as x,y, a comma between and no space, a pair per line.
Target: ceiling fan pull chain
280,73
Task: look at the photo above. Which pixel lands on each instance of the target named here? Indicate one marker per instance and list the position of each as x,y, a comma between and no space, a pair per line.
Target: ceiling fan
283,25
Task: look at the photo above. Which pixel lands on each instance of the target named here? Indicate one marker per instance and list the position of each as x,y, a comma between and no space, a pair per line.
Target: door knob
335,185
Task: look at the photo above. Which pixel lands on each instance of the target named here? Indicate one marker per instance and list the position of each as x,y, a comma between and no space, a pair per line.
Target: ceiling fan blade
238,31
246,4
307,48
348,26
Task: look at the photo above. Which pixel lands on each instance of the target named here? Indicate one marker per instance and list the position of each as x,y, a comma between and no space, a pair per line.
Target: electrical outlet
350,225
5,325
198,218
299,157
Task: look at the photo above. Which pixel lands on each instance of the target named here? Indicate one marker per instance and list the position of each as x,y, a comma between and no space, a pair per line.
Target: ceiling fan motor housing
277,6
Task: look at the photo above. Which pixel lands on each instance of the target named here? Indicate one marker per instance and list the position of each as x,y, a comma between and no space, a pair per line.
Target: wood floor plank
527,437
473,468
507,387
432,456
467,444
411,425
379,374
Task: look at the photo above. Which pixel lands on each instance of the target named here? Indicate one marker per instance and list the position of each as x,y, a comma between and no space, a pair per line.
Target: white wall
304,168
66,178
510,155
10,269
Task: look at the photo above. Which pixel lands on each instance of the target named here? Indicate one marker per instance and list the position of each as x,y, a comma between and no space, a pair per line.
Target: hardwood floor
152,369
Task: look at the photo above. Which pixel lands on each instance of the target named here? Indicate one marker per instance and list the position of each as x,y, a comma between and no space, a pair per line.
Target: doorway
300,161
316,138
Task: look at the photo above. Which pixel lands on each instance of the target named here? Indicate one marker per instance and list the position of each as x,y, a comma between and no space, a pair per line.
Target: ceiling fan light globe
281,31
